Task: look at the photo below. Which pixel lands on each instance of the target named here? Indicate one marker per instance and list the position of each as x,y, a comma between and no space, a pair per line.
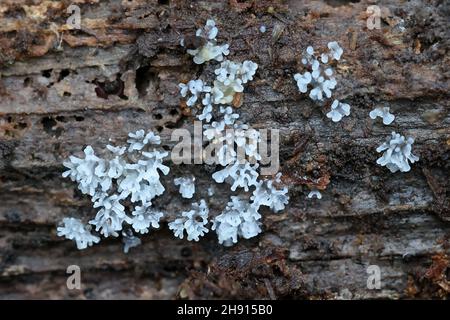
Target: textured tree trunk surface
62,89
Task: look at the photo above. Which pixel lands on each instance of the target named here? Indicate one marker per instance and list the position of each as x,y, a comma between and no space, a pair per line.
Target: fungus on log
63,89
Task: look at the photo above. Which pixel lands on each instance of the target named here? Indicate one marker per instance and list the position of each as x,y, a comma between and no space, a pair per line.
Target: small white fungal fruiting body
129,240
82,171
320,76
74,229
382,112
338,111
206,114
144,217
240,218
230,78
397,153
111,216
266,194
210,50
138,141
193,222
239,175
195,88
187,186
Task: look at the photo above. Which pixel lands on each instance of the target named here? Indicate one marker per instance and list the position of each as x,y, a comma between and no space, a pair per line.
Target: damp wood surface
63,89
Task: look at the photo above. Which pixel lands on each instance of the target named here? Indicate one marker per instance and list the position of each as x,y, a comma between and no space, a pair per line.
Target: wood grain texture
62,89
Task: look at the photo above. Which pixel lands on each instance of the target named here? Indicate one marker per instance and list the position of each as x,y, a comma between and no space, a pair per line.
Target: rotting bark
64,89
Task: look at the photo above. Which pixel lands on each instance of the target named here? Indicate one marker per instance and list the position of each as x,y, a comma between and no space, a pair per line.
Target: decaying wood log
63,89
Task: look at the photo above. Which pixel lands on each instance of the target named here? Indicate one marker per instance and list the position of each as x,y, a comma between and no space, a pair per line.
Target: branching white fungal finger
382,112
397,153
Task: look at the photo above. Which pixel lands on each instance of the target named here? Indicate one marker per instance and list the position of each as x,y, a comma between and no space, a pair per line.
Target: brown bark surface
62,89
